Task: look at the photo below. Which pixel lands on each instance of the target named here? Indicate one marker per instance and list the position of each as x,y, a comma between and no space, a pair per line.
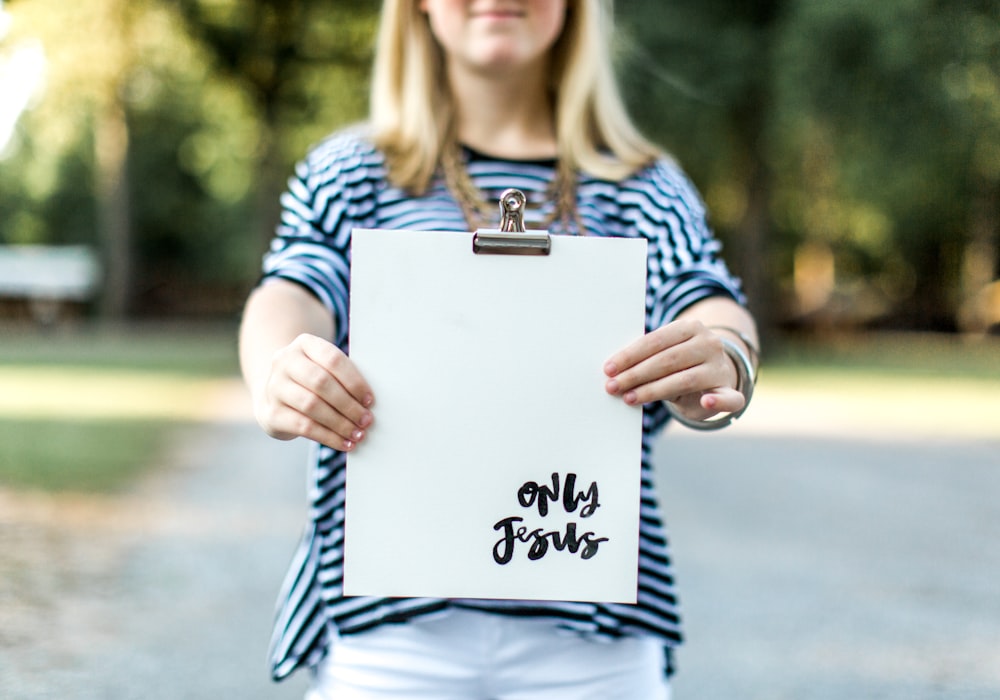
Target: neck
507,115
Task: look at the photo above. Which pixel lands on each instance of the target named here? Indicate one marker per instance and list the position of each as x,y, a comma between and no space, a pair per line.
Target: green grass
897,354
94,456
193,349
899,386
90,409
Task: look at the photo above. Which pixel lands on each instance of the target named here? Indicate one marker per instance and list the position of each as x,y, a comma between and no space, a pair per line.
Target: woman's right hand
314,390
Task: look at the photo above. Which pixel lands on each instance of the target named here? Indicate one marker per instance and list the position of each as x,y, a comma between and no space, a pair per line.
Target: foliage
849,152
878,123
199,131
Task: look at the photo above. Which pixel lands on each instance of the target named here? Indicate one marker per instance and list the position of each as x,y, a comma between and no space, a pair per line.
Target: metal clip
511,238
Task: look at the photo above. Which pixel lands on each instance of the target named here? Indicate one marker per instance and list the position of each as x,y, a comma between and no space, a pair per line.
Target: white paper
488,375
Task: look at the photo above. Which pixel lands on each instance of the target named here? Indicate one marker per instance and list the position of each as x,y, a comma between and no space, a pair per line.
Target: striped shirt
342,185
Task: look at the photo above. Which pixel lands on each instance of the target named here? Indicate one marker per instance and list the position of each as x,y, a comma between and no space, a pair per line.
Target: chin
503,58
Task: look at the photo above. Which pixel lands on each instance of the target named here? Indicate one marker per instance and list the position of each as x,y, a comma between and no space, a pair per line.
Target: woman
470,97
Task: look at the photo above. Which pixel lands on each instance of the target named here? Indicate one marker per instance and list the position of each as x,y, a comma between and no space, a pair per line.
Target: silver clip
512,211
511,238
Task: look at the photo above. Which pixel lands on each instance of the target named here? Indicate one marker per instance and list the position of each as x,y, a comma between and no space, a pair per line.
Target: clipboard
497,466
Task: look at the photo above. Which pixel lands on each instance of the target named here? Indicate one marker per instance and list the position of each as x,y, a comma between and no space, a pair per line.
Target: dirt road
812,565
165,592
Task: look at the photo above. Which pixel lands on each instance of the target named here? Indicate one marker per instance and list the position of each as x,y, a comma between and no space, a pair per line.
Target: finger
280,420
325,395
323,369
341,367
313,407
670,387
650,344
723,400
299,389
289,401
683,346
708,405
710,401
659,366
695,381
303,426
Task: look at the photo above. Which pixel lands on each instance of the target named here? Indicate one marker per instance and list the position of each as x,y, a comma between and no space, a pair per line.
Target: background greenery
849,151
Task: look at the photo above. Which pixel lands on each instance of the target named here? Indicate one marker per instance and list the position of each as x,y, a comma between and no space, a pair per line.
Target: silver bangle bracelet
745,339
746,379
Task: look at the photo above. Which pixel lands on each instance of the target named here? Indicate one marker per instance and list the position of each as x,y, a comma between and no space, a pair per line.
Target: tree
302,62
84,85
712,62
861,137
849,152
166,128
891,114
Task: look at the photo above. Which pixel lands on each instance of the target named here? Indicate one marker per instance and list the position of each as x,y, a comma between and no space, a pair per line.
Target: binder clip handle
512,211
511,238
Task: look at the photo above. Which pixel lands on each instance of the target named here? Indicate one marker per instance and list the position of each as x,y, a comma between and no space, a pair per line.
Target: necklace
479,212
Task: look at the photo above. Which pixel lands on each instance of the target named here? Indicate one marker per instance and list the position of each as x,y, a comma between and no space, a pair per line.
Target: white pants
469,655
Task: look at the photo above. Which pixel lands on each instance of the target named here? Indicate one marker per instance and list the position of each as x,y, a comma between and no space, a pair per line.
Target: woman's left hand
682,362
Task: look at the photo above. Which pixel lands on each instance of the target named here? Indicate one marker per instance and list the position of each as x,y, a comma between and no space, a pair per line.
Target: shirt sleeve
684,264
329,195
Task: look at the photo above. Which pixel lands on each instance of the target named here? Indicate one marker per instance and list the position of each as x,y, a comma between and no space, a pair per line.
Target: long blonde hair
412,107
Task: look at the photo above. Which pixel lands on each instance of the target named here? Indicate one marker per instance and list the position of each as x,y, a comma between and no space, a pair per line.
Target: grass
89,409
93,456
190,349
910,355
895,386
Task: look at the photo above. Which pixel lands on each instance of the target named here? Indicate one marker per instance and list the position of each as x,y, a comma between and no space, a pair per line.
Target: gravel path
163,593
810,568
815,569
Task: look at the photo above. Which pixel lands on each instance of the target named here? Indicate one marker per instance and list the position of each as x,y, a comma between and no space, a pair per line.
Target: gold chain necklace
479,212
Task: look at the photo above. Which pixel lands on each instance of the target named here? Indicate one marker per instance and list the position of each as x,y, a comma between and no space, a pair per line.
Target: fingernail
365,420
368,401
358,435
612,387
630,398
610,369
348,445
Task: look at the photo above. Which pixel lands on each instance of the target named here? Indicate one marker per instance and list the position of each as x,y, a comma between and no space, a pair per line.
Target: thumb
723,400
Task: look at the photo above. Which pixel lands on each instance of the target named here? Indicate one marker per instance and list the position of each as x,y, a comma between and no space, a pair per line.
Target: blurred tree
849,152
713,64
862,136
157,129
890,147
22,65
291,57
83,109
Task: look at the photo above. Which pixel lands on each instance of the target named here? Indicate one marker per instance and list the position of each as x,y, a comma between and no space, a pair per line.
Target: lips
499,12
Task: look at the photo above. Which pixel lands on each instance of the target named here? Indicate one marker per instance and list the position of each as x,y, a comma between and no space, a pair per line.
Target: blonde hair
412,107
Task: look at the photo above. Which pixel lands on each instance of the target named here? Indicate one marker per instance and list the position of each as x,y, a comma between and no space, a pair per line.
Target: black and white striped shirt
342,185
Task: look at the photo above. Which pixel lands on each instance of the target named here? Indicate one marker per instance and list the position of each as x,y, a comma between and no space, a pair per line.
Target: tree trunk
979,260
271,176
753,232
752,238
111,143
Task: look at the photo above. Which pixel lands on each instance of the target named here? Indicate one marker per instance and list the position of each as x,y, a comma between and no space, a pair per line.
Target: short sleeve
331,192
684,264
